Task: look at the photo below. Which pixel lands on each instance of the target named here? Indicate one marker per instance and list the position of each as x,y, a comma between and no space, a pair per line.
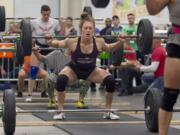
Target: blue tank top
85,61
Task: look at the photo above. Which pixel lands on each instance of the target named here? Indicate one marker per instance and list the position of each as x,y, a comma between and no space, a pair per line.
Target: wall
71,8
9,7
31,8
101,12
74,8
161,18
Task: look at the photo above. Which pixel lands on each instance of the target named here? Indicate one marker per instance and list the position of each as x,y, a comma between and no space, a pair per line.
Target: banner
123,7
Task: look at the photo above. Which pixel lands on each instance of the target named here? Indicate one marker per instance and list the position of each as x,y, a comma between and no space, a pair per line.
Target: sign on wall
123,7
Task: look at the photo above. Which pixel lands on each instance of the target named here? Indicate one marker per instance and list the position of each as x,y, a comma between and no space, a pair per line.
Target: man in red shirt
156,67
129,52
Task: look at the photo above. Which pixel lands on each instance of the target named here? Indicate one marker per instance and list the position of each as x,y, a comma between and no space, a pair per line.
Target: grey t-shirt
56,60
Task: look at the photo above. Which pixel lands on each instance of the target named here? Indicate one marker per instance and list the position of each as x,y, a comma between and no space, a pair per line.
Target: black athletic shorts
173,50
81,73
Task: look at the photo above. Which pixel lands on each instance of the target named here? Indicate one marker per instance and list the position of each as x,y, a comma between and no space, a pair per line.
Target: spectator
115,31
108,25
131,29
69,28
158,57
24,73
41,27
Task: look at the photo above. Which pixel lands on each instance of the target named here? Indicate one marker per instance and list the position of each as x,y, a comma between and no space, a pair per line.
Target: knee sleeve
33,72
169,99
109,82
62,81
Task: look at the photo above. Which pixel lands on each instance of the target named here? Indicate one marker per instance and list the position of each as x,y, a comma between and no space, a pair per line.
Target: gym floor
85,123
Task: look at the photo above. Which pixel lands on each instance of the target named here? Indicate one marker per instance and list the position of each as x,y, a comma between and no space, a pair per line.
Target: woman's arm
155,6
57,43
113,46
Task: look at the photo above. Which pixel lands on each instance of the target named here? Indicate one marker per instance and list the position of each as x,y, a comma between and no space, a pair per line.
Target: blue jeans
148,78
157,83
153,82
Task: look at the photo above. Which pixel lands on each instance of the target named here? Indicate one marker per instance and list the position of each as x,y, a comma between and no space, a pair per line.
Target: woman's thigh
172,73
98,75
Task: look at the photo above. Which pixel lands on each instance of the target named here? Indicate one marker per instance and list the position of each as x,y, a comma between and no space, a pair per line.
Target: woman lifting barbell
84,51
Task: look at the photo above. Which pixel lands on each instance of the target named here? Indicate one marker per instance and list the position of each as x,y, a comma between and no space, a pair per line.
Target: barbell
152,102
143,38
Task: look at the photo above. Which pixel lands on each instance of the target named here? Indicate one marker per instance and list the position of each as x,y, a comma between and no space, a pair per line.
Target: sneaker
28,98
43,94
111,116
19,94
52,104
80,104
59,116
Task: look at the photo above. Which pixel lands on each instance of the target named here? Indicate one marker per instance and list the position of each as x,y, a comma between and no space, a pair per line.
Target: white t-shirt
41,28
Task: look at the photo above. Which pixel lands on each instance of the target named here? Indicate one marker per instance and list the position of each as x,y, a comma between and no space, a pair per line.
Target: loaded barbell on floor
151,106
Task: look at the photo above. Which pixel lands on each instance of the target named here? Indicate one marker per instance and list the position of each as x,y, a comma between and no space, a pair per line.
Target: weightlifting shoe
52,104
80,105
111,116
59,116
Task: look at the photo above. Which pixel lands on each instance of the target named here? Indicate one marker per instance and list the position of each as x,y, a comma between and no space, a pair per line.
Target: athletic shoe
110,116
52,104
28,98
19,94
43,94
80,104
59,116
